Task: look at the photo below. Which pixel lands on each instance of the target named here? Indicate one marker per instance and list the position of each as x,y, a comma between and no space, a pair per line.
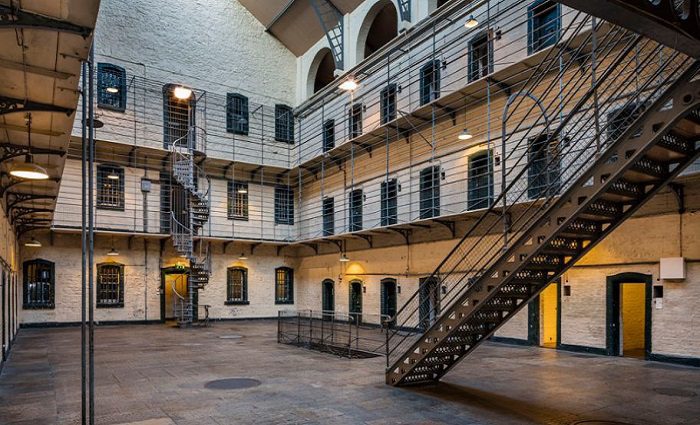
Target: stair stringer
655,123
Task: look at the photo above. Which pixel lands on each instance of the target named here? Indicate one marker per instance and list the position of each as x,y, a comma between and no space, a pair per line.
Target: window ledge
38,307
119,305
110,107
283,302
236,302
107,207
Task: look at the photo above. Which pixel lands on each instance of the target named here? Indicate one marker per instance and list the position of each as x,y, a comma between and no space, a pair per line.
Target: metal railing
353,335
618,72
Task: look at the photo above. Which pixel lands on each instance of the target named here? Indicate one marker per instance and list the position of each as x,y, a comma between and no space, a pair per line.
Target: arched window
110,285
236,285
324,68
39,284
379,27
284,285
237,114
111,87
430,82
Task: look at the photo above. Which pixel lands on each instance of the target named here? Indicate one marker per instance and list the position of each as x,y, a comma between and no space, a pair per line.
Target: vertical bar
91,237
83,235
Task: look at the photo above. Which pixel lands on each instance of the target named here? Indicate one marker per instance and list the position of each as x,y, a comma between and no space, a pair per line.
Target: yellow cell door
549,316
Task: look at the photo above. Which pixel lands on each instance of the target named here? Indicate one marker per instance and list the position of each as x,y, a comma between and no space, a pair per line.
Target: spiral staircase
619,114
185,225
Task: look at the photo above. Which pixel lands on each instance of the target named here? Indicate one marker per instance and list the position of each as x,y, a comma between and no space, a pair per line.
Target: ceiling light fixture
33,243
242,257
242,189
471,22
113,252
344,258
465,135
29,170
113,176
349,84
182,93
112,90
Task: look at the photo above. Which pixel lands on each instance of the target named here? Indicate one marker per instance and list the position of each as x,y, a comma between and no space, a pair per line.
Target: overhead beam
16,198
13,18
10,105
37,70
12,151
23,129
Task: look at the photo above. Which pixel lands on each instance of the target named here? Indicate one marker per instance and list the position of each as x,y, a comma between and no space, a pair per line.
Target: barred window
480,181
111,87
110,285
355,210
284,205
543,25
236,114
388,103
328,135
480,56
328,216
236,285
430,82
284,285
110,187
237,200
430,192
39,284
178,116
284,124
355,120
389,196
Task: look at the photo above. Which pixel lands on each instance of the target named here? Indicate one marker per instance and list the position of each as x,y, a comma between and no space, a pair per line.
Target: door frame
352,283
324,284
175,270
533,319
383,295
612,310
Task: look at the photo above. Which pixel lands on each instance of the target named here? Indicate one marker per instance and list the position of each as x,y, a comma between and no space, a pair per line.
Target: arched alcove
378,28
322,71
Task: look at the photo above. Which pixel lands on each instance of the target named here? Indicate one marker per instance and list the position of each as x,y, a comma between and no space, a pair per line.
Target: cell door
429,299
356,300
388,297
328,298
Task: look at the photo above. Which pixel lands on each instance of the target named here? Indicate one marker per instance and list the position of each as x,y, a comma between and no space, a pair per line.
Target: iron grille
110,187
355,210
389,197
110,285
284,285
355,120
480,181
430,192
111,87
543,174
236,285
284,124
328,216
284,205
39,284
388,103
237,200
236,114
430,82
480,56
328,135
543,25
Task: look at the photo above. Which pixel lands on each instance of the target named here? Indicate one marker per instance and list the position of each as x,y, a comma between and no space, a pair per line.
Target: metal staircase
186,224
616,118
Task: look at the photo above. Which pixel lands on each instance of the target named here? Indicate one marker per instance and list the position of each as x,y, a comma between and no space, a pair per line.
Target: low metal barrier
352,335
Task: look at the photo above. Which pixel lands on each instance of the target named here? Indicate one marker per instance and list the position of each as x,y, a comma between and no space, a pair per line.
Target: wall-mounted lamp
242,257
344,258
112,90
471,22
465,135
349,84
113,252
33,243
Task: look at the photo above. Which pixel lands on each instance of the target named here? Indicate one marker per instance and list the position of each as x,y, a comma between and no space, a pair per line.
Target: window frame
288,285
328,215
109,201
355,206
232,201
116,75
474,199
473,61
389,213
230,300
535,190
49,302
430,81
100,290
387,103
174,127
536,44
328,135
355,120
237,114
284,123
429,207
284,213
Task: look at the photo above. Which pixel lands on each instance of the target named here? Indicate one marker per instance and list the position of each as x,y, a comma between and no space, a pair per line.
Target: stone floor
159,375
